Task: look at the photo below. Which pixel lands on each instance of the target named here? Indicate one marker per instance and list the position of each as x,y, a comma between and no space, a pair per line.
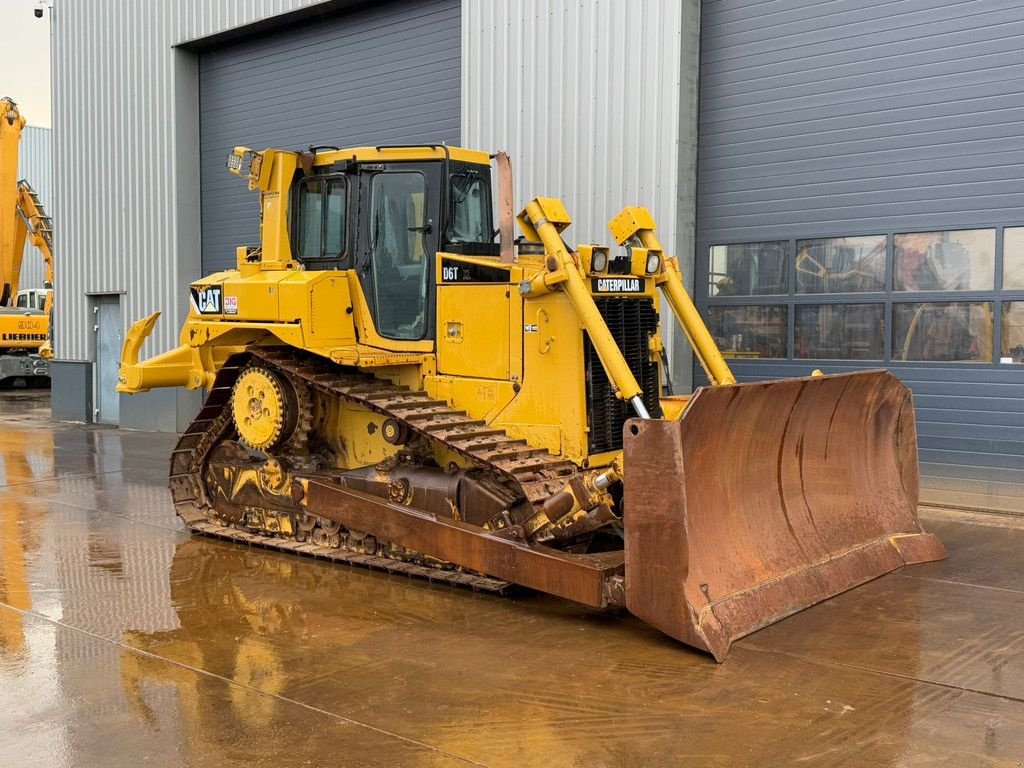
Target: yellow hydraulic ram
543,220
636,222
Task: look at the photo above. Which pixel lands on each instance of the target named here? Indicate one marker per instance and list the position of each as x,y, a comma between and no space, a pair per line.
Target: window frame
295,219
787,272
804,306
796,273
483,176
996,296
929,291
730,354
433,172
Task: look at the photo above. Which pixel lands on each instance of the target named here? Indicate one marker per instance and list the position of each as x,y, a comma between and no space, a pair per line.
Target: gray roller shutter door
868,116
382,74
859,115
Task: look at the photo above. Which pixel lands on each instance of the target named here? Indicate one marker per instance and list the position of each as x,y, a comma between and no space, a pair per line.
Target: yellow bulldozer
394,381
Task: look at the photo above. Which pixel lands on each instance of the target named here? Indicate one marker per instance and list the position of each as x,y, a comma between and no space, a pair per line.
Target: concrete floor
124,642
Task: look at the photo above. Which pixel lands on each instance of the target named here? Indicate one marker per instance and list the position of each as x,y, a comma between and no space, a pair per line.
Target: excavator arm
38,229
22,219
13,229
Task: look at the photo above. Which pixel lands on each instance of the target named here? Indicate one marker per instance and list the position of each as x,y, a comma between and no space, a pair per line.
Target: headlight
653,263
234,162
599,261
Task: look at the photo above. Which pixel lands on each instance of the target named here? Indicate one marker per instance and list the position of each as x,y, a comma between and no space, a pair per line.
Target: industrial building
447,507
841,181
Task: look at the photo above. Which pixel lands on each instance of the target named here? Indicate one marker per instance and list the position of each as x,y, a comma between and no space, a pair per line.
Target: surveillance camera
38,12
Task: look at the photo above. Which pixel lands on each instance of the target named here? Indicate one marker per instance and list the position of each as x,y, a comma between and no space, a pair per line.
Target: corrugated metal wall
586,99
35,165
116,161
386,74
859,115
868,116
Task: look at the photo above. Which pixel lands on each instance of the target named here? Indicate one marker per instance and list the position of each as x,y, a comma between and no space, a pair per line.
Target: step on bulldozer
395,381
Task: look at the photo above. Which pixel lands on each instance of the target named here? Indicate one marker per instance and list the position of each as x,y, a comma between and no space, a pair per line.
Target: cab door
398,241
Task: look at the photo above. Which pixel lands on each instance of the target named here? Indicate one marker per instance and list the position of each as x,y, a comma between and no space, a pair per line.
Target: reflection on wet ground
124,642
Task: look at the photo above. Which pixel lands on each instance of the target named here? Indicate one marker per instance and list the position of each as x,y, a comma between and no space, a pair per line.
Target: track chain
342,555
535,471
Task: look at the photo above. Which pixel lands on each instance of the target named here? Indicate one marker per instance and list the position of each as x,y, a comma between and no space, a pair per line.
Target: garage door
385,74
861,205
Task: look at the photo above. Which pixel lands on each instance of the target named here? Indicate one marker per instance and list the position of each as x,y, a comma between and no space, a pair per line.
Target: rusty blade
766,498
587,579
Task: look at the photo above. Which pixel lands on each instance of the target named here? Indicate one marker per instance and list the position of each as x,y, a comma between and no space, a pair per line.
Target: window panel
1013,258
310,212
398,228
952,331
1013,331
841,264
749,269
471,209
840,331
945,261
334,223
749,331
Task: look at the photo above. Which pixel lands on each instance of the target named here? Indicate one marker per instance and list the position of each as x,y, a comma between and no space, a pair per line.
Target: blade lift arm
543,220
635,224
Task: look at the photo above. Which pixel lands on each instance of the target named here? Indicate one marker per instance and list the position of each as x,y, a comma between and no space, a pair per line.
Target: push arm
635,222
543,219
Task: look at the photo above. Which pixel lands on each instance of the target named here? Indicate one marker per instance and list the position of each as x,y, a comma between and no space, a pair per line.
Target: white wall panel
196,19
35,165
593,103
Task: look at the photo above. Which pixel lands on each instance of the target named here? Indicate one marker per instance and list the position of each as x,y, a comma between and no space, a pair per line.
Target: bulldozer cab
387,221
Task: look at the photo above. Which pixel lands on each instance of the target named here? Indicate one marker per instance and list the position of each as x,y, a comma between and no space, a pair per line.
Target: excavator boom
25,316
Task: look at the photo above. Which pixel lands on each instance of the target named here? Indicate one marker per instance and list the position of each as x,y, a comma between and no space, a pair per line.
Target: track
529,472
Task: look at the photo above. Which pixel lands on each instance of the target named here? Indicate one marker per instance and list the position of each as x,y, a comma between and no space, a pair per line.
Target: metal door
109,336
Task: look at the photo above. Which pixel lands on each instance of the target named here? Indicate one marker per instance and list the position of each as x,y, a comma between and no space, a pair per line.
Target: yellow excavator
25,315
394,381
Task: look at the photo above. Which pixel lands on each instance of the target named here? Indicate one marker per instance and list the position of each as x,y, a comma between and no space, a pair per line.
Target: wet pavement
126,642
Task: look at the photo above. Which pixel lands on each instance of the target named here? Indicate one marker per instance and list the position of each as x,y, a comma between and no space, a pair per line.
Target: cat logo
206,301
617,285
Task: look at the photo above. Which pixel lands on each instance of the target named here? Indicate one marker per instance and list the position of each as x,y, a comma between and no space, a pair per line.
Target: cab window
399,253
319,218
470,220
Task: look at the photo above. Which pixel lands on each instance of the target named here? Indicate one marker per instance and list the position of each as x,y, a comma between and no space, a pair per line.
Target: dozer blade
766,498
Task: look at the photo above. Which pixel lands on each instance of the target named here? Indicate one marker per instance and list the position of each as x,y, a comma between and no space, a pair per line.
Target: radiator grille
632,323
